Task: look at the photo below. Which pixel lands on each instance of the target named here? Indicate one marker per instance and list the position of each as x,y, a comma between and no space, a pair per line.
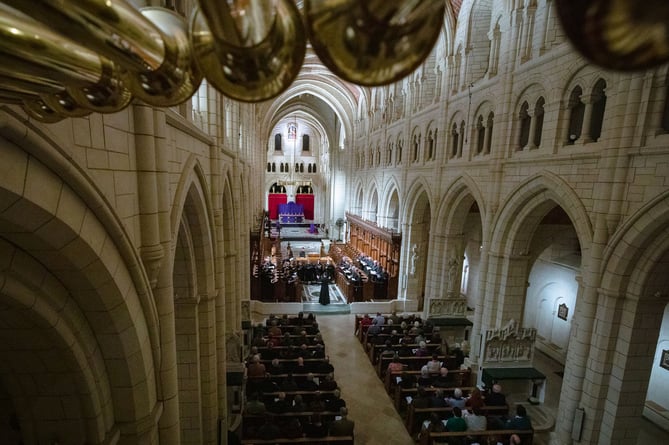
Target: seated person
457,401
276,368
334,402
325,367
256,369
309,384
268,430
520,421
315,427
432,425
437,400
408,381
456,423
442,380
422,399
299,406
422,350
496,397
289,384
424,379
292,429
475,420
254,405
328,383
395,365
342,426
317,404
388,350
475,400
280,405
434,365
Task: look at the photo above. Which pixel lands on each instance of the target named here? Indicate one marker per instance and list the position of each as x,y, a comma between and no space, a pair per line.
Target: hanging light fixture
69,58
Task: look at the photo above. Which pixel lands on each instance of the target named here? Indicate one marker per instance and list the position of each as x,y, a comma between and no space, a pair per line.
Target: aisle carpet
312,293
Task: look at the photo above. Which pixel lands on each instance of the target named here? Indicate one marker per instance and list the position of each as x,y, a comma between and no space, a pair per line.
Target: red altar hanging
306,201
273,201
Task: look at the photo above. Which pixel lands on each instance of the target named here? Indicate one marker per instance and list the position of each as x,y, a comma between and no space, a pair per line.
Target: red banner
307,201
273,201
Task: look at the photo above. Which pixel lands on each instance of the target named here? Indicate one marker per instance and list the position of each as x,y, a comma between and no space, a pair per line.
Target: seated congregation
291,392
431,388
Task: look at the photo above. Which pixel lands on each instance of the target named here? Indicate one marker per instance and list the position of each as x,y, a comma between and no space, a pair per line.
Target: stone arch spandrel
509,227
450,212
80,240
192,198
49,330
633,289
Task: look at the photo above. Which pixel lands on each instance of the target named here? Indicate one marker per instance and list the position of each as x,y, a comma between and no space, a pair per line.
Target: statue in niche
452,270
232,348
414,259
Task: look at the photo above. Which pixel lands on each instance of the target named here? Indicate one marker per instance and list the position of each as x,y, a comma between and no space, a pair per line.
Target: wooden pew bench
401,395
414,363
492,436
374,351
456,377
416,416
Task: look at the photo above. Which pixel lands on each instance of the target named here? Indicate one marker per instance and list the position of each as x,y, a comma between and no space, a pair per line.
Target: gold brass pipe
250,51
152,45
374,42
71,80
623,35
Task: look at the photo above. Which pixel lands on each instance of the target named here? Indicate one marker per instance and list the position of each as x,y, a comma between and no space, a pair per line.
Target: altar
291,213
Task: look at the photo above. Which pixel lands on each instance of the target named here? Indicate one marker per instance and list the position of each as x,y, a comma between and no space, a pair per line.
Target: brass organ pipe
249,50
32,51
152,45
110,27
71,80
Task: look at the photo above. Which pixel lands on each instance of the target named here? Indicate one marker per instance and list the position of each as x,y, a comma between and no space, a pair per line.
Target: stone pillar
188,363
587,119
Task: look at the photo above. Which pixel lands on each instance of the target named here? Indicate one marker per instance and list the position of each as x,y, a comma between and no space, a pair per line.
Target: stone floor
377,422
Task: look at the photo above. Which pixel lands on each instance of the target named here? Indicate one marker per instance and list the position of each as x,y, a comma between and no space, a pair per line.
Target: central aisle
376,421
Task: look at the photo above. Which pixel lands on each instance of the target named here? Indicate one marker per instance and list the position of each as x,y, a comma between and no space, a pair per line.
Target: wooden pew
459,377
375,350
414,363
402,393
526,436
416,416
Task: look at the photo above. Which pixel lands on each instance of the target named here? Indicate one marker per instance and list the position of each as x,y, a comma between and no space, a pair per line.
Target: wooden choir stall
368,265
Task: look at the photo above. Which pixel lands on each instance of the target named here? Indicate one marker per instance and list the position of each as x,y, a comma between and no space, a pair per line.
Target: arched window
308,168
480,135
430,145
538,121
277,142
302,167
305,142
462,138
273,167
524,120
313,169
455,141
416,146
297,167
576,113
400,146
269,167
598,107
